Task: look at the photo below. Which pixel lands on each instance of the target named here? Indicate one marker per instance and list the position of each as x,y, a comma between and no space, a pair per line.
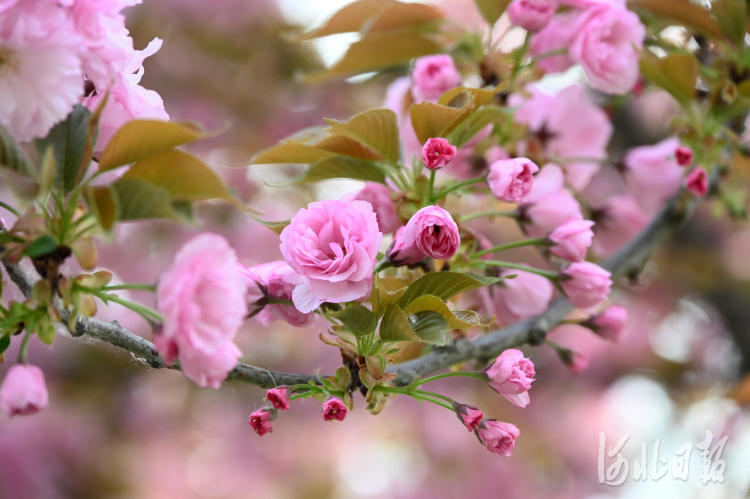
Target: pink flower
202,299
606,45
276,279
550,212
653,174
400,253
526,295
433,75
332,245
398,98
23,391
379,196
572,240
610,324
531,15
279,397
617,222
697,182
555,35
433,232
585,284
498,437
262,420
470,416
684,156
334,408
437,153
568,125
576,362
511,180
511,376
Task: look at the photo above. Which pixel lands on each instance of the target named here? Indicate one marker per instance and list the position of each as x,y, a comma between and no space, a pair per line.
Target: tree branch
628,261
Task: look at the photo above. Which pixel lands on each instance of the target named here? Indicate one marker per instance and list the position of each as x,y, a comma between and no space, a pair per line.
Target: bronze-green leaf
104,205
340,167
140,200
68,139
444,285
291,152
682,11
432,303
675,73
430,327
395,326
475,122
357,318
492,9
277,226
11,156
376,128
433,120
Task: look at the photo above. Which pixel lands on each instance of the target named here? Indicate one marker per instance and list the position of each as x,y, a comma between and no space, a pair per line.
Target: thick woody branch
628,261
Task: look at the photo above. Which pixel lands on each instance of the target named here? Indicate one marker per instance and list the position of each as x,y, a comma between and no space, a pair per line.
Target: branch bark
628,261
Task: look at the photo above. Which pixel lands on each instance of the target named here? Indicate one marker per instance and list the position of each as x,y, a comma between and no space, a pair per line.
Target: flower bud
400,253
433,75
610,324
262,420
576,362
498,437
571,240
23,391
531,15
437,153
585,284
334,408
511,376
697,182
684,156
511,180
430,232
279,397
469,415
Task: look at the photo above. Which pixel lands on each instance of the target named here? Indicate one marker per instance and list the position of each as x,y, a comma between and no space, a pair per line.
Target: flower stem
142,287
24,350
142,310
10,209
416,394
382,265
552,276
441,194
451,374
489,213
538,241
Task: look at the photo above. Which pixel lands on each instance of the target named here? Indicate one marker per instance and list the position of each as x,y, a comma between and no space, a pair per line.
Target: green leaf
11,156
291,152
139,139
140,200
460,96
4,343
472,125
23,186
433,120
430,327
432,303
377,129
46,332
357,318
682,11
103,203
68,139
395,326
47,171
675,73
444,285
492,9
43,245
340,167
276,227
184,176
731,16
342,378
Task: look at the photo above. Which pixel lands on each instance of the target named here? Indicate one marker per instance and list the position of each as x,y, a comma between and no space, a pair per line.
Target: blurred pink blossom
511,180
697,182
653,174
379,196
531,15
433,75
572,240
550,212
526,295
23,391
684,156
617,222
609,324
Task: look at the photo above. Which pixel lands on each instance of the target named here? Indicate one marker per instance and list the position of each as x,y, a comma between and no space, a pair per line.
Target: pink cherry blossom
526,295
653,174
697,182
398,97
511,180
379,196
550,212
202,299
279,397
332,245
577,362
684,156
469,415
262,420
617,222
334,409
437,153
572,240
609,324
511,376
275,279
434,233
400,253
499,438
557,34
531,15
23,391
433,75
585,284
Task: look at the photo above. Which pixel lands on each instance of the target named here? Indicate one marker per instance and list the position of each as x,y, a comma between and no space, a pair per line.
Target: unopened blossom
433,75
202,299
511,180
400,253
609,324
531,15
684,156
437,153
23,391
511,375
333,246
652,174
379,196
575,362
279,397
571,240
334,409
432,232
469,415
276,280
262,420
526,295
498,437
697,182
585,284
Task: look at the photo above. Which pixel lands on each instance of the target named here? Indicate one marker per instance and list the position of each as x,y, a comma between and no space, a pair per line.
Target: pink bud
334,408
609,324
23,391
572,240
430,232
437,153
683,155
262,420
469,415
279,397
379,196
511,179
402,253
585,284
531,15
577,362
433,75
498,437
697,182
511,376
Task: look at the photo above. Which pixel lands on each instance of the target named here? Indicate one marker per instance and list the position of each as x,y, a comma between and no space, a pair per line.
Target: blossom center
8,60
